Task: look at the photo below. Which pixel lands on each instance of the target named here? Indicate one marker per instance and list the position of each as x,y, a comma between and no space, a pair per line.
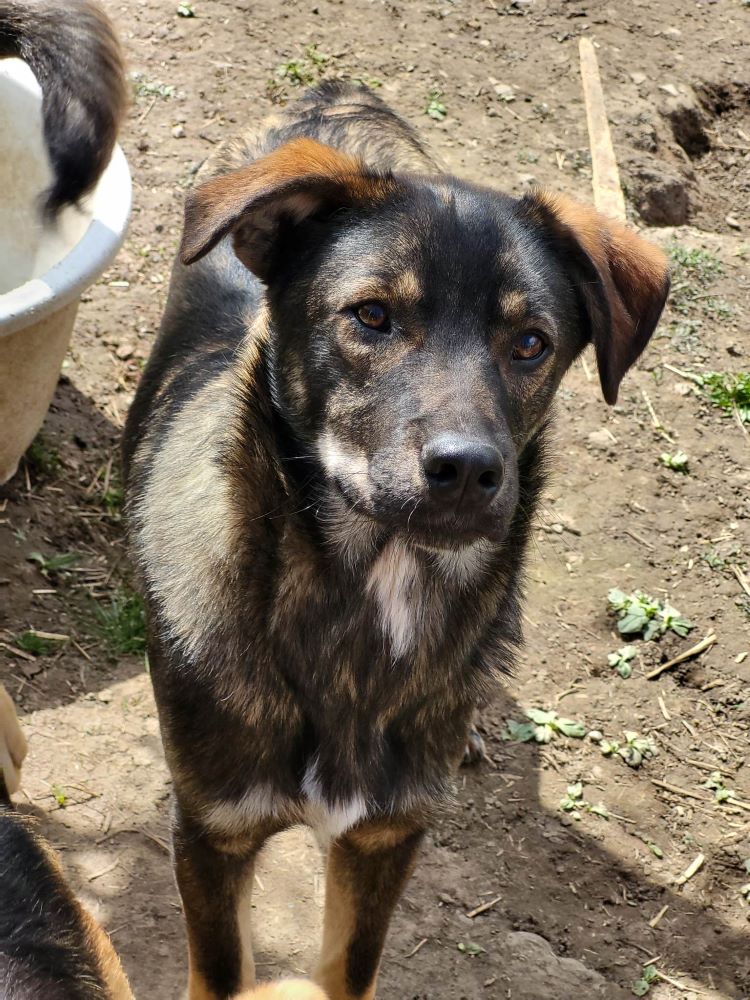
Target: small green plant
470,948
296,72
677,462
36,645
693,272
42,457
526,156
185,10
729,392
620,660
543,727
574,803
435,107
54,564
303,71
715,783
122,625
151,88
318,59
60,796
641,615
634,751
648,978
369,81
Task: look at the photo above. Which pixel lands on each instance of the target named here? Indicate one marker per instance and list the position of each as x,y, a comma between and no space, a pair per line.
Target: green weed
54,564
715,783
729,392
36,645
620,660
574,803
151,88
435,107
122,625
677,462
648,978
542,727
42,457
60,796
305,70
641,615
634,751
693,272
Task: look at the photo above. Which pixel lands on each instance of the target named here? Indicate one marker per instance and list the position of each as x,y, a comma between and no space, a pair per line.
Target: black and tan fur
72,48
51,948
321,623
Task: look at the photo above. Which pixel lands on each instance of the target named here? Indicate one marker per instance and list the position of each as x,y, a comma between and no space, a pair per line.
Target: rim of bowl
109,204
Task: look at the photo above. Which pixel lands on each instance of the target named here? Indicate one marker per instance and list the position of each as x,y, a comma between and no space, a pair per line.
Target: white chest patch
396,582
327,820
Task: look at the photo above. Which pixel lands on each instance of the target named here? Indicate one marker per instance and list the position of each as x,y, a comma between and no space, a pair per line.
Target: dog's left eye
373,316
529,346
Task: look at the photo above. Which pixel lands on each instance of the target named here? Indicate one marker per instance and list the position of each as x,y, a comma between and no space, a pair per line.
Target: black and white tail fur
74,52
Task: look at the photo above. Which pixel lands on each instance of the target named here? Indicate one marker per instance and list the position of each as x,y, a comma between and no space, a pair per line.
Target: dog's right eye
373,316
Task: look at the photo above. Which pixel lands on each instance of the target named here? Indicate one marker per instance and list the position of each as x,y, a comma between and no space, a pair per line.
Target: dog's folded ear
622,280
297,180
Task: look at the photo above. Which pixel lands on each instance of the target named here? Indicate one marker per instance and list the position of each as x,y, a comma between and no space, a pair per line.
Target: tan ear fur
295,179
635,278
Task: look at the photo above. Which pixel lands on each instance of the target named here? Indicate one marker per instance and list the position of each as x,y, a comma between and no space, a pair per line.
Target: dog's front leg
367,870
215,882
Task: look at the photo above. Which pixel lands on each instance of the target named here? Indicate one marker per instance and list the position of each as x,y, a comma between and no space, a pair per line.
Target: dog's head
422,325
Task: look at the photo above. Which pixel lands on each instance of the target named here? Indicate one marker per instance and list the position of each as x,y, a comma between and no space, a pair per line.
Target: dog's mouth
429,531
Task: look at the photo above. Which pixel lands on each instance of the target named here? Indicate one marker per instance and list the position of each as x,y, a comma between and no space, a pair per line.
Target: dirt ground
577,905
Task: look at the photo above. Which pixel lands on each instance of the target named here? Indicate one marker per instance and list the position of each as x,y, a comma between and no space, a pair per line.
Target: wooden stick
484,907
695,650
676,790
741,579
608,196
693,868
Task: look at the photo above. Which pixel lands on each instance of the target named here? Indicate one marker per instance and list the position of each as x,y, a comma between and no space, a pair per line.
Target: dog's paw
475,750
285,989
12,744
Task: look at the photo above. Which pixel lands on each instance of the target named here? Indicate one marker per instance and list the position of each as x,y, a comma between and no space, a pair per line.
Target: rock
658,193
178,132
600,440
638,78
124,351
533,969
504,91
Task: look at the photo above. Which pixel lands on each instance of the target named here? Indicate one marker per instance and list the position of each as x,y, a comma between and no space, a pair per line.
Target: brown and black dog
332,463
51,948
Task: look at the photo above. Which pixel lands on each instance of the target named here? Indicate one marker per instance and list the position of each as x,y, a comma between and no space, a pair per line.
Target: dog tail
75,54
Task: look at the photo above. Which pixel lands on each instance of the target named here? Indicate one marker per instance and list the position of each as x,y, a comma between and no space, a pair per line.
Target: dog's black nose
462,470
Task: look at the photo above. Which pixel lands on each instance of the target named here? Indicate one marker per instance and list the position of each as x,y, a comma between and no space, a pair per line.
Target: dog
75,54
332,464
51,948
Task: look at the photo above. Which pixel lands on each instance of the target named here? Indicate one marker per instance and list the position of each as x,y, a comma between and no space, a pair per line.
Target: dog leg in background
215,885
74,52
12,746
367,871
50,946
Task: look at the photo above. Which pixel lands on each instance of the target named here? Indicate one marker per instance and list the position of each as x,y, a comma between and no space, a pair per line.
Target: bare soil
603,892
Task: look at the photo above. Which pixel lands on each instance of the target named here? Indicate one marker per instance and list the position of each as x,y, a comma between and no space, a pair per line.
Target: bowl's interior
28,245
